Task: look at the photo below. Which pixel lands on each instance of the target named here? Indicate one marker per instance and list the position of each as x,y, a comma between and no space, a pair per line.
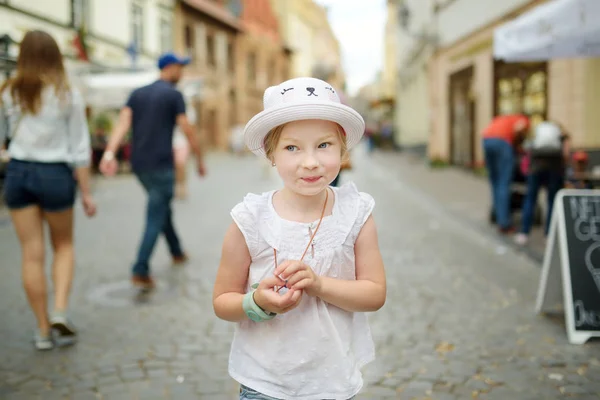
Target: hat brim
259,126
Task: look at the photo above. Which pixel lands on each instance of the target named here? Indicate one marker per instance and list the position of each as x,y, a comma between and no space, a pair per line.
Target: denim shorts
249,394
51,186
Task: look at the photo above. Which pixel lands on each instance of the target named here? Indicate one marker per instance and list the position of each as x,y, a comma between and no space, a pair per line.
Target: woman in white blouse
44,119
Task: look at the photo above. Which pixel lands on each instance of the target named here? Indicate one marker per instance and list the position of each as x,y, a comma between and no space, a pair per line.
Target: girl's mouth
311,179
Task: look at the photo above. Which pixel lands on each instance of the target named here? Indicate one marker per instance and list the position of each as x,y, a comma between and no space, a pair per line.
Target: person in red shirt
500,138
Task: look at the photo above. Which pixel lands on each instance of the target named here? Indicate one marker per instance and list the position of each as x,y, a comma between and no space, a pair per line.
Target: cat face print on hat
301,99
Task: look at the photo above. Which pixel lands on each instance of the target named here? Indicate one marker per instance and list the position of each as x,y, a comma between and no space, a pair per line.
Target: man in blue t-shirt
152,112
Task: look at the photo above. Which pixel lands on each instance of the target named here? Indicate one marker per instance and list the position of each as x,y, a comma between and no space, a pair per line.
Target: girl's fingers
270,282
297,294
303,284
281,267
288,270
297,277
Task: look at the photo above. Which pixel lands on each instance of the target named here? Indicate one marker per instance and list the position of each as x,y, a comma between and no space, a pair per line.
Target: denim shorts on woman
51,186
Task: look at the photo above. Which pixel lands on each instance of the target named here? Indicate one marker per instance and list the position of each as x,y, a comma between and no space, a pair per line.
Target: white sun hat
301,99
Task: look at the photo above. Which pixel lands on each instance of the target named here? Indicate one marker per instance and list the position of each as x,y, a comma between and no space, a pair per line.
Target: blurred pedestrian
301,265
548,153
49,151
152,112
576,172
500,138
181,154
346,166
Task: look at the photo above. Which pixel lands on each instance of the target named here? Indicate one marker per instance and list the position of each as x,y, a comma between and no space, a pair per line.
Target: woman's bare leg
28,223
63,264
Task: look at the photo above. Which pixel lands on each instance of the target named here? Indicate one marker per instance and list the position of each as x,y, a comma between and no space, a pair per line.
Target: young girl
301,265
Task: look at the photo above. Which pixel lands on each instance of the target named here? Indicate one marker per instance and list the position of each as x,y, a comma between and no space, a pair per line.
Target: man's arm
119,131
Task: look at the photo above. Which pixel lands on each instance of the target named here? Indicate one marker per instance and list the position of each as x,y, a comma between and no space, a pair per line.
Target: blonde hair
272,139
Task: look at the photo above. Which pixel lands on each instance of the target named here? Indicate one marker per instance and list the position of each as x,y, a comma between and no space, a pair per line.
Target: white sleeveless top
315,351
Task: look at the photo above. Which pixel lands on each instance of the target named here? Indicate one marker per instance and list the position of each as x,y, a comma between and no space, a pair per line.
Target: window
271,71
166,34
210,50
252,69
230,57
137,26
190,48
80,13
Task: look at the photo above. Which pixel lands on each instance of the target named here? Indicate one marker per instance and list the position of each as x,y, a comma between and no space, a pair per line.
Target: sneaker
43,343
180,260
61,324
521,239
143,282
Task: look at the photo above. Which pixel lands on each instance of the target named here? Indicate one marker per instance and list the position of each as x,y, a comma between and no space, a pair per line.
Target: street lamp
404,16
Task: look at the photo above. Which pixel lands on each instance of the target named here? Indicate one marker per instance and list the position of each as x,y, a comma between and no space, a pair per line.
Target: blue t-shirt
154,112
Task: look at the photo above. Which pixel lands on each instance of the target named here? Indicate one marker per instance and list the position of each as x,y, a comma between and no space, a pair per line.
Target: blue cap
172,58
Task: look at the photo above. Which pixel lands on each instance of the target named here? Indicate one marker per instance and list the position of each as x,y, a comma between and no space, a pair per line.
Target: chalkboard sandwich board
571,269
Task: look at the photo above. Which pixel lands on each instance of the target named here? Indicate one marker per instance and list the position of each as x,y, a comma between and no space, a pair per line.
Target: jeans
553,181
159,186
499,160
248,394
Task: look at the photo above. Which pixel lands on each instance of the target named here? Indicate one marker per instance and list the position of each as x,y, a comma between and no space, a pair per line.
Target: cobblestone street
459,321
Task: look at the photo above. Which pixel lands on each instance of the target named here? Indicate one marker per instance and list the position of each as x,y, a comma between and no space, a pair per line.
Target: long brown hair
39,64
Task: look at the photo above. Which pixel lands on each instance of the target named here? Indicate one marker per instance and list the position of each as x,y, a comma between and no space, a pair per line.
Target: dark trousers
499,160
159,186
553,181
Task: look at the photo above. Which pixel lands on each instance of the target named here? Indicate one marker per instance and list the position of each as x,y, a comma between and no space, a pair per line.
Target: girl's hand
268,299
89,205
299,276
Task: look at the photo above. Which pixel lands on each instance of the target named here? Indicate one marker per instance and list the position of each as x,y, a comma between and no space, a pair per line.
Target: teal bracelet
253,311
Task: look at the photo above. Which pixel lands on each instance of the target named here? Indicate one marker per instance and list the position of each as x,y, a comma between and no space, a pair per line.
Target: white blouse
315,351
57,133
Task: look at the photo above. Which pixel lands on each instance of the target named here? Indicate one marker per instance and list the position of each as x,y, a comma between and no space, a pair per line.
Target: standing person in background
575,174
549,153
49,157
181,153
500,138
152,112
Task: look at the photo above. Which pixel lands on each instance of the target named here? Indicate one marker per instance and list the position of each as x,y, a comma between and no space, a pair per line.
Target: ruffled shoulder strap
354,209
247,214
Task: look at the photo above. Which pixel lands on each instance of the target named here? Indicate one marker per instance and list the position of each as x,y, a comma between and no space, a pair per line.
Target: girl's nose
310,161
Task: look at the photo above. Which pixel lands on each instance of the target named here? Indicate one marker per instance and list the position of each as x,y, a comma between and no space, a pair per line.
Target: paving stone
181,392
574,389
85,396
443,396
132,374
158,373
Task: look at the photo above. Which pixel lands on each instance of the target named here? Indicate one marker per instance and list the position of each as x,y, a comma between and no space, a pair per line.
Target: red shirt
503,127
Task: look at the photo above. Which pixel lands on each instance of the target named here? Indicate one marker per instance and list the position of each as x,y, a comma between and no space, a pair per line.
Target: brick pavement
458,322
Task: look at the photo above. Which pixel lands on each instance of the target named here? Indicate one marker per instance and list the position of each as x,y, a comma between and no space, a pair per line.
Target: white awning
557,29
111,90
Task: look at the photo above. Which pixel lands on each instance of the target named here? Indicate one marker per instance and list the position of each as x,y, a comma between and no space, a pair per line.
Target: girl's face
308,155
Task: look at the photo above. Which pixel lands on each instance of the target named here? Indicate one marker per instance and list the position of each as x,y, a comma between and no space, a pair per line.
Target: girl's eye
324,145
290,147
